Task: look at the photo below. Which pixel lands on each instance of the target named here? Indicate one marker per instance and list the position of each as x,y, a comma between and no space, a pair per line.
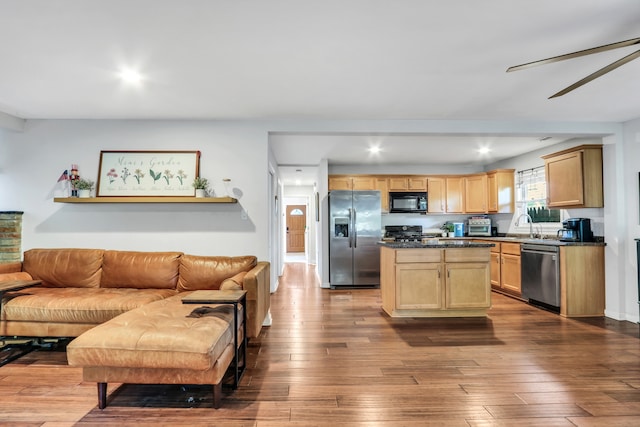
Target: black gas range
403,233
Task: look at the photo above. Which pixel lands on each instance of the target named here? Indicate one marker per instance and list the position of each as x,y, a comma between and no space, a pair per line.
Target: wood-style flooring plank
333,357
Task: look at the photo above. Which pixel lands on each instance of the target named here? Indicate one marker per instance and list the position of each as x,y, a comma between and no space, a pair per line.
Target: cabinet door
398,184
418,184
339,183
418,286
454,194
467,285
501,191
495,270
563,174
382,185
363,183
436,195
475,193
510,273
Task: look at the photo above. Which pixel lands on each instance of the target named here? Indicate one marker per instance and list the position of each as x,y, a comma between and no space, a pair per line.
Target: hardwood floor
332,357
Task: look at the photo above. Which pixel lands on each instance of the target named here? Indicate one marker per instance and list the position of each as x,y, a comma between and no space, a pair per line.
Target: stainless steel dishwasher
540,275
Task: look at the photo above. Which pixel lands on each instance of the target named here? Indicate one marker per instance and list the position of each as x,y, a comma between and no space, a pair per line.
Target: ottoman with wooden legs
158,343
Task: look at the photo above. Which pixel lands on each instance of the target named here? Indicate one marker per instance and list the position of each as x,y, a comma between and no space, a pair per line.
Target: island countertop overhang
442,244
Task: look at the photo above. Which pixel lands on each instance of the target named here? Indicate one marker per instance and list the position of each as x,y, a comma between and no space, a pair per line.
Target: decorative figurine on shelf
74,177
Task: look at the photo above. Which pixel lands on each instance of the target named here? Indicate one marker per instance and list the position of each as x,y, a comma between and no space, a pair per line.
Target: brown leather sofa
82,288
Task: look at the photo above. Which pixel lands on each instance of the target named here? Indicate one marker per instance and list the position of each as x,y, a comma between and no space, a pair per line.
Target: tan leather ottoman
157,343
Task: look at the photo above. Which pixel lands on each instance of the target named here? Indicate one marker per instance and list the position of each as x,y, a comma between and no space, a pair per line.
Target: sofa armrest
11,267
257,283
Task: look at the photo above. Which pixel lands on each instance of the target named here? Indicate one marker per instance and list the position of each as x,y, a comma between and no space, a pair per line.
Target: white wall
31,162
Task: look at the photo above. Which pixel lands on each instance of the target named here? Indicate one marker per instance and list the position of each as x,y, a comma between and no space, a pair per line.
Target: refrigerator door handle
353,230
350,229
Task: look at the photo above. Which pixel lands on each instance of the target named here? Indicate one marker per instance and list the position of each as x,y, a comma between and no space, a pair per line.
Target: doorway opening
296,233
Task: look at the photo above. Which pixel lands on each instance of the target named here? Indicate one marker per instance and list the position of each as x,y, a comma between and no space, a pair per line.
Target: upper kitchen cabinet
436,197
382,185
454,186
408,183
352,182
574,177
475,193
500,188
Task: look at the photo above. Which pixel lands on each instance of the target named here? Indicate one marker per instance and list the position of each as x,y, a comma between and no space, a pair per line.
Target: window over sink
531,197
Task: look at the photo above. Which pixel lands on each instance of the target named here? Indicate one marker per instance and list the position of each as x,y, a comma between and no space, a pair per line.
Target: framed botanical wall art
147,173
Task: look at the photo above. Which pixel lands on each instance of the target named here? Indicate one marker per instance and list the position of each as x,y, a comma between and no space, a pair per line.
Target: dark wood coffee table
234,298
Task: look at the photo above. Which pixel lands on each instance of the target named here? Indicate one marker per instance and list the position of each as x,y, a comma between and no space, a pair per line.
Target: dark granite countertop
442,243
526,239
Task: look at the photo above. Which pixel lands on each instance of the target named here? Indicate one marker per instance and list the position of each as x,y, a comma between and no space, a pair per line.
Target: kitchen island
446,278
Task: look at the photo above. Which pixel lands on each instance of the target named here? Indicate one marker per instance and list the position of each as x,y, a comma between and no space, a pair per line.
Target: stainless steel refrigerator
354,230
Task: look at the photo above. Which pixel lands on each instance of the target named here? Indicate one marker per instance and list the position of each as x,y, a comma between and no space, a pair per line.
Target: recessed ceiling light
484,150
130,76
374,149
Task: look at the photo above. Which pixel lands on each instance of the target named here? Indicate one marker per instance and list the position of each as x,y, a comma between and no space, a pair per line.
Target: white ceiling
309,59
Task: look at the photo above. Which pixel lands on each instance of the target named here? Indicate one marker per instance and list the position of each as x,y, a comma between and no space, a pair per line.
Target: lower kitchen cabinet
434,282
426,296
510,280
506,268
582,281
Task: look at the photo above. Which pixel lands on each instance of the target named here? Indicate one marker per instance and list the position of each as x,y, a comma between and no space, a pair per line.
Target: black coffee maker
576,230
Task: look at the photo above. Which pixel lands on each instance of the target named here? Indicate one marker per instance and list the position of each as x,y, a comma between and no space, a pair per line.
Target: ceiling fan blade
577,54
602,71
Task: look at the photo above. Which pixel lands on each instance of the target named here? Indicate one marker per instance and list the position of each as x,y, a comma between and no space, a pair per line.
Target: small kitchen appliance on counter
576,230
479,226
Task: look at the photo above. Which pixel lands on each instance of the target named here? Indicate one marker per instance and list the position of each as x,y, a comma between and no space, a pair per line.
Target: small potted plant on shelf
84,187
201,185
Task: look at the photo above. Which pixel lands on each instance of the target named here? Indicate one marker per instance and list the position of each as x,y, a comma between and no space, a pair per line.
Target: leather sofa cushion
10,267
62,268
95,305
233,283
208,272
157,335
140,270
20,275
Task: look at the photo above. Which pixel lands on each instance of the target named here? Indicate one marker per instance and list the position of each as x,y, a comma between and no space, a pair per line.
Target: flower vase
201,192
85,194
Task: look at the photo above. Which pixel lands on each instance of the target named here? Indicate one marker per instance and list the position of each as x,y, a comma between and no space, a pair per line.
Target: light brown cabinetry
505,267
434,282
582,281
401,183
500,191
454,187
475,193
352,182
382,185
436,196
510,268
574,177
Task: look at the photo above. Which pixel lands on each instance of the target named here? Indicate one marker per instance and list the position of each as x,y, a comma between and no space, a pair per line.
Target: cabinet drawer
467,255
511,248
418,255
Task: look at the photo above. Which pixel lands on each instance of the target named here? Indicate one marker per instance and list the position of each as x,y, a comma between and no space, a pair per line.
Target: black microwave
408,202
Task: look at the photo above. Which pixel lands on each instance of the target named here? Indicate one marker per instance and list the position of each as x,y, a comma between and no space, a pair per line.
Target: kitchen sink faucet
530,223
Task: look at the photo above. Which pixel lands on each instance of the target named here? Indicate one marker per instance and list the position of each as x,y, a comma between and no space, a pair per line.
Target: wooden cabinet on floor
582,281
505,267
574,177
433,282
